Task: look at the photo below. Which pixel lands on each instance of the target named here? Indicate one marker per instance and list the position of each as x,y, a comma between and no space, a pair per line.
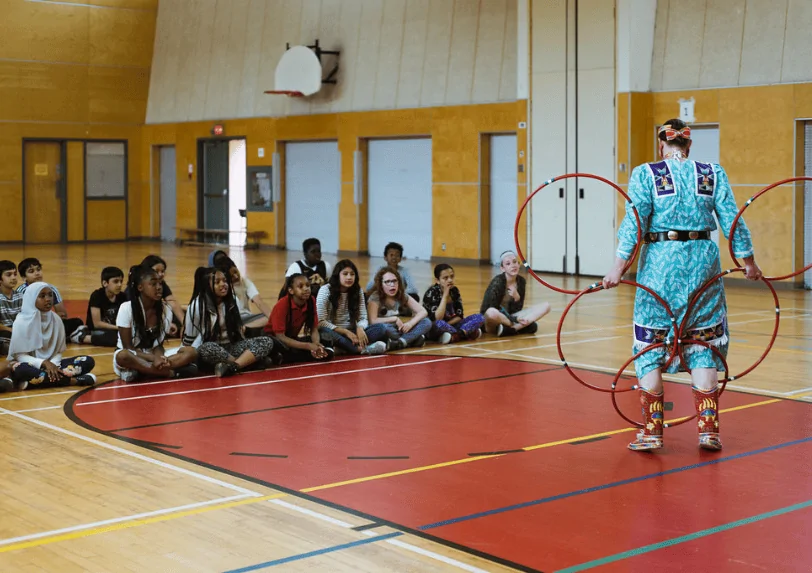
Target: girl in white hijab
37,344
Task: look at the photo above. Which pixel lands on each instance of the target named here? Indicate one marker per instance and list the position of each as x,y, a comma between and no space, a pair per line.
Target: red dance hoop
744,208
595,288
560,178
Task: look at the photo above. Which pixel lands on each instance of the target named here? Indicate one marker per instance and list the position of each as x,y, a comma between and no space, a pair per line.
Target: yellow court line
527,448
134,523
197,511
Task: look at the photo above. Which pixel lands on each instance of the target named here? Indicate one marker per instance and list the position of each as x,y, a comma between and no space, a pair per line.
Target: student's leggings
38,377
468,328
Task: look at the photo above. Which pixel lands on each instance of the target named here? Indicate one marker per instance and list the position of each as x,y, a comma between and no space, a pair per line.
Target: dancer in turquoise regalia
676,199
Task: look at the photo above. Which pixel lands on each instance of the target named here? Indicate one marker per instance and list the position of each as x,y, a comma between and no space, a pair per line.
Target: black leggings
107,338
38,377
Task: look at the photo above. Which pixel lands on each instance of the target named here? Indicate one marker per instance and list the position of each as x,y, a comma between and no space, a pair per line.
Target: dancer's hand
613,277
751,270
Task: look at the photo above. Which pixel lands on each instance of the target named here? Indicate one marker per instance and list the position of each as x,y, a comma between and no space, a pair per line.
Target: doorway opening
222,189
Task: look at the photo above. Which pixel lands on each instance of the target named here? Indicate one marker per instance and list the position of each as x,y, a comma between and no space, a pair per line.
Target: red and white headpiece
671,133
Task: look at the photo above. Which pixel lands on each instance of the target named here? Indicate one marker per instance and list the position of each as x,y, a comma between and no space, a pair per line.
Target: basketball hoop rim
285,92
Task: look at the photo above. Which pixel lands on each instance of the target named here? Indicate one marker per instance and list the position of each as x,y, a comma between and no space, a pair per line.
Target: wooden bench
198,237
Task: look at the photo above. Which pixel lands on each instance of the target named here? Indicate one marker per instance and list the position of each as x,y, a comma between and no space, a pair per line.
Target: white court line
121,519
368,533
266,382
33,410
801,391
131,454
32,395
175,381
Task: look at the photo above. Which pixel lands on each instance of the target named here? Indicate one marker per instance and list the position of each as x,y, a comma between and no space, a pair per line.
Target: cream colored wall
215,58
729,43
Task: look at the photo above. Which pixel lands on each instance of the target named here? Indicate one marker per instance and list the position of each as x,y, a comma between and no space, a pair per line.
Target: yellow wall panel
60,32
11,193
706,105
76,191
121,37
105,220
459,233
32,91
117,95
125,4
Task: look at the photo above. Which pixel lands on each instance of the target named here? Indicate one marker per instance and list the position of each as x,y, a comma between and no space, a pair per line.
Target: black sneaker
330,353
85,380
78,335
6,385
419,342
188,371
225,369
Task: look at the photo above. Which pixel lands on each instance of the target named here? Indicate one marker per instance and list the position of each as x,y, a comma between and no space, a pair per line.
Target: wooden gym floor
483,456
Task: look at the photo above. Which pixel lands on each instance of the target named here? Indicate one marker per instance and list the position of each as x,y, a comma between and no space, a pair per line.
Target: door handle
225,192
560,192
581,193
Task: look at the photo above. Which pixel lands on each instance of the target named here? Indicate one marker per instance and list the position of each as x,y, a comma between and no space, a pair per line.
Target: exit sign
218,130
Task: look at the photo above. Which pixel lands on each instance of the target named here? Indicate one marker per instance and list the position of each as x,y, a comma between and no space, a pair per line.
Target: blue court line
554,498
608,485
684,538
315,553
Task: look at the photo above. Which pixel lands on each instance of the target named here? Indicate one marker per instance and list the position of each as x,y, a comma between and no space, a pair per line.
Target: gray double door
215,184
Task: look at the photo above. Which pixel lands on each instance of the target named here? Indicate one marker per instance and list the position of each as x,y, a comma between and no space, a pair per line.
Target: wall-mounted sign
259,189
218,129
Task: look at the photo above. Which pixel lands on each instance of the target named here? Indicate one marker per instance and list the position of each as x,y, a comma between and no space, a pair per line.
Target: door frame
63,158
201,141
484,190
63,161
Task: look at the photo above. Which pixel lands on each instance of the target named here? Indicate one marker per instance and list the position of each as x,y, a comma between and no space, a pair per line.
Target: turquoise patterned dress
681,196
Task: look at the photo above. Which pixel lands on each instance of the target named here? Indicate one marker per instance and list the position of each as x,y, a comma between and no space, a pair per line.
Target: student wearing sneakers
444,305
11,301
503,303
342,313
143,323
315,269
37,344
388,303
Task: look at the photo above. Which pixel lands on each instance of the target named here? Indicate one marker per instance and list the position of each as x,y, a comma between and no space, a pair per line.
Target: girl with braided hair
213,326
143,323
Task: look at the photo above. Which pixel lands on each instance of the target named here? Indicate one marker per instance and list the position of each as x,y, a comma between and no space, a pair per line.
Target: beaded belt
677,236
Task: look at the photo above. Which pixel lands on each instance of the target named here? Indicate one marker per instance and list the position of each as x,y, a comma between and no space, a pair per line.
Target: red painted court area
511,460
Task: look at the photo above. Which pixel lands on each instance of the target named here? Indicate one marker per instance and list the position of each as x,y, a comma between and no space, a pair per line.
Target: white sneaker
445,338
499,330
375,348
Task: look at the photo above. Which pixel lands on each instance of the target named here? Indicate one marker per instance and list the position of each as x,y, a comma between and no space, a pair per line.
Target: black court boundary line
69,412
147,443
367,526
549,368
496,453
254,455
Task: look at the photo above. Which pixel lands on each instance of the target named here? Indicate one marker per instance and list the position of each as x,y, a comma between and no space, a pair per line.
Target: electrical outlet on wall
444,246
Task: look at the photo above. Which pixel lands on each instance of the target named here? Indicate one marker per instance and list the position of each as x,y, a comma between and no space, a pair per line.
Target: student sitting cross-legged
214,327
37,344
143,323
342,313
444,305
30,270
245,293
503,303
292,315
388,302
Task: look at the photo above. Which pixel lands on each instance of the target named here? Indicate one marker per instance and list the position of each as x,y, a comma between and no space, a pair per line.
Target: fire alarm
217,130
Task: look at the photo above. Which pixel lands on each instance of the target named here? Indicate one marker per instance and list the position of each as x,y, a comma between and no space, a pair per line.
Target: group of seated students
320,311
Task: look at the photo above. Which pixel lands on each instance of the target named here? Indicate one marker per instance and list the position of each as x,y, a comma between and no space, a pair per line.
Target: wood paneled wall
215,58
455,131
758,143
73,70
